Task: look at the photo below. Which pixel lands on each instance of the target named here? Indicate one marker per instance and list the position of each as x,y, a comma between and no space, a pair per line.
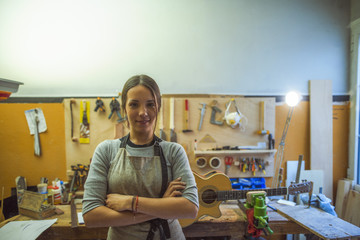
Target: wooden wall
17,153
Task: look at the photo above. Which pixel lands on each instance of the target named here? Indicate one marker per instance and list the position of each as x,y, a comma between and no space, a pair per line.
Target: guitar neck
241,194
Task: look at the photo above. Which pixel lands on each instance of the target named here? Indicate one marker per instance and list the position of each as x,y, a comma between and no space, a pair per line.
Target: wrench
202,113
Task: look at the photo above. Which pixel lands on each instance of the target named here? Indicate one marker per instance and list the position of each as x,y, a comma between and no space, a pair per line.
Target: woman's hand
119,202
174,188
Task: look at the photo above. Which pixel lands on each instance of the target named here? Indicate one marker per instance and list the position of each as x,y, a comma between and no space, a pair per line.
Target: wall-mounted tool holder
210,136
246,163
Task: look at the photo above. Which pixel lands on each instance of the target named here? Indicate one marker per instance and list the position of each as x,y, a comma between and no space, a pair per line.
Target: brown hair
145,81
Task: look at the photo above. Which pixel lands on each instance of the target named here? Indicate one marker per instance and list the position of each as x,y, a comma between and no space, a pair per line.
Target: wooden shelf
235,152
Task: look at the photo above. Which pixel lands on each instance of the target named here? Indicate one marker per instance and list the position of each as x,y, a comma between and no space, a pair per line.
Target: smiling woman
124,190
141,102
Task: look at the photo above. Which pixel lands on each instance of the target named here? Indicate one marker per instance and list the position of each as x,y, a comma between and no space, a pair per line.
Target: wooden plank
321,131
352,213
320,223
344,187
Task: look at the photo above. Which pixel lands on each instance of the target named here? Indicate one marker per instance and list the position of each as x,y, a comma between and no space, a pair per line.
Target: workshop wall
17,145
298,137
102,128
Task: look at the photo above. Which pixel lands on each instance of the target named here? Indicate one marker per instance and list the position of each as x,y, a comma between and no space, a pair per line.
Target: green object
257,201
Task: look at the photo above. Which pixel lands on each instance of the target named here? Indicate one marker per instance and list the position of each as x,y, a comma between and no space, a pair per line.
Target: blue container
248,183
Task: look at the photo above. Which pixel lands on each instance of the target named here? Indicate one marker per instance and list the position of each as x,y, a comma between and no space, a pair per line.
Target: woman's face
141,110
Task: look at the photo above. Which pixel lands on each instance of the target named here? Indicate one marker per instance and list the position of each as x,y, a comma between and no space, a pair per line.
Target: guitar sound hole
209,196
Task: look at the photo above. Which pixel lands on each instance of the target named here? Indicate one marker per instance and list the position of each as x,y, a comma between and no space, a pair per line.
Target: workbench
232,223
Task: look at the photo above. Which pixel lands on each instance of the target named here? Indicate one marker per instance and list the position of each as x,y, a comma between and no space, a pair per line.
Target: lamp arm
280,151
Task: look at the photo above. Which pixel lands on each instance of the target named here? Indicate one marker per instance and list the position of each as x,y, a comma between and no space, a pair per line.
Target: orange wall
17,145
298,137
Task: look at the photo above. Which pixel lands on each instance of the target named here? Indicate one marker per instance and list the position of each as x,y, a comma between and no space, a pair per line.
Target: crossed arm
117,211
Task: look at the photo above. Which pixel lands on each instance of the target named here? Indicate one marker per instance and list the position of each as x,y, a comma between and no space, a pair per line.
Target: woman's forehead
140,92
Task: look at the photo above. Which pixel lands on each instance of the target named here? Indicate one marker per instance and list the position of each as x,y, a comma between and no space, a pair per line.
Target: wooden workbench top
232,223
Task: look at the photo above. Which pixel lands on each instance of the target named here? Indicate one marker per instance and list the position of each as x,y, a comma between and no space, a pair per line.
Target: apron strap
124,141
162,225
158,223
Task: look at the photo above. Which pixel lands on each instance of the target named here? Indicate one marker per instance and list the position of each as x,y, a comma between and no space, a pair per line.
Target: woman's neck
141,139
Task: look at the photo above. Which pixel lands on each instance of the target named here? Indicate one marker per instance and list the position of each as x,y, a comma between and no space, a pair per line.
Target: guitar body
215,187
208,185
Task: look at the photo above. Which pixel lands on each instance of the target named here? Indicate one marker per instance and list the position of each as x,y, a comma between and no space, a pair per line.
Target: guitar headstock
304,187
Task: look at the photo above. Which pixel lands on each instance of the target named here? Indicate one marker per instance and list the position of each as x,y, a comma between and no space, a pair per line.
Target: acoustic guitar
215,187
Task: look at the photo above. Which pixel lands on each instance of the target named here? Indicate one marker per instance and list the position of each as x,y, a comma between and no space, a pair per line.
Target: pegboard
215,136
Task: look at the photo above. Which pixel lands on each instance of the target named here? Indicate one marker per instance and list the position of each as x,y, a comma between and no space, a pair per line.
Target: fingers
176,194
177,182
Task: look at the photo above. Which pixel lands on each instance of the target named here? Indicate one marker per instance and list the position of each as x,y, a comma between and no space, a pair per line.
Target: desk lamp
292,99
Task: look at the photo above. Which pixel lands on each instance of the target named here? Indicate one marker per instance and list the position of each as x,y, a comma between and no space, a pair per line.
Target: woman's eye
132,104
151,104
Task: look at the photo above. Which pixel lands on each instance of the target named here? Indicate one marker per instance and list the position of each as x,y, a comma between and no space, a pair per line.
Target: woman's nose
143,110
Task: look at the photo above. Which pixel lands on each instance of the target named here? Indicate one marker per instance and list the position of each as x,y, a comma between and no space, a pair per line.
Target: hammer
186,117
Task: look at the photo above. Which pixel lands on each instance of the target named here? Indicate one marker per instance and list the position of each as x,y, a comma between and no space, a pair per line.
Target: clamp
255,201
215,109
115,107
99,105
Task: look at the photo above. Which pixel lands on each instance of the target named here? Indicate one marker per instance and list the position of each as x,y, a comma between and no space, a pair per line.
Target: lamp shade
292,99
9,85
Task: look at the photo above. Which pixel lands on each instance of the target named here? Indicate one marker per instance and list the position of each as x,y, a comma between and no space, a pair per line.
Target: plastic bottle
57,195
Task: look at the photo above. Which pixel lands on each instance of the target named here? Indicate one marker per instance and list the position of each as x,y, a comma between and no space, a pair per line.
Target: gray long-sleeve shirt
100,181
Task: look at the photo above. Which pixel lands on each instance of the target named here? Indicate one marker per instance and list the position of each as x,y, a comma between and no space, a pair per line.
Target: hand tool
228,162
36,135
281,170
74,139
260,219
81,175
21,187
115,107
261,165
202,113
75,179
74,219
84,115
162,134
262,130
84,122
173,137
207,139
253,166
271,143
215,109
186,117
241,163
99,105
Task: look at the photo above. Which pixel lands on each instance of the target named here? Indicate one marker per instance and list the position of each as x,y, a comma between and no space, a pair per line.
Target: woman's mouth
143,121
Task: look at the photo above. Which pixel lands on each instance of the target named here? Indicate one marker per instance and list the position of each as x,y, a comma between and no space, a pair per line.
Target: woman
137,182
